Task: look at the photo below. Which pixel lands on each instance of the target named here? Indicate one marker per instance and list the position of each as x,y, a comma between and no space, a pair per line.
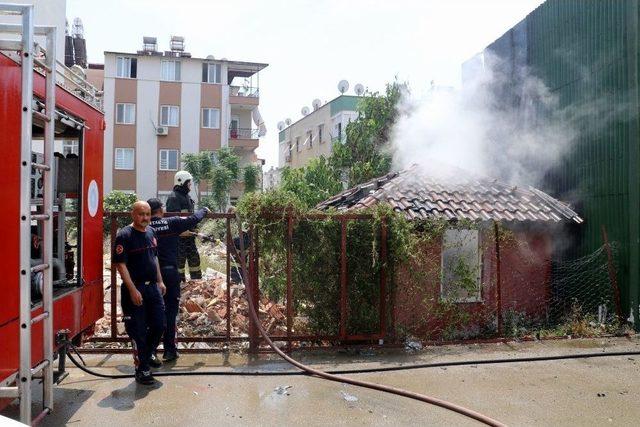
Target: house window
460,266
169,115
297,144
125,114
171,71
124,158
211,73
320,132
211,118
340,131
126,67
309,138
168,160
69,146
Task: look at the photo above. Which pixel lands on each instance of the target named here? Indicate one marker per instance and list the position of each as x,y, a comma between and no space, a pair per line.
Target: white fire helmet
182,177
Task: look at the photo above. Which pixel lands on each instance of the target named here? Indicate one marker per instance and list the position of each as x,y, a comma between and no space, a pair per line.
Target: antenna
287,121
343,86
281,125
305,111
359,89
316,104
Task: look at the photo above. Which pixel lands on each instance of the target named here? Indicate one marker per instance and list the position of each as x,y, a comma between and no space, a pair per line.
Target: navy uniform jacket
138,250
179,200
168,231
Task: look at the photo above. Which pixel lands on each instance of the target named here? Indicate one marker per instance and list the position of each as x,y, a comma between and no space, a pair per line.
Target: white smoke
499,126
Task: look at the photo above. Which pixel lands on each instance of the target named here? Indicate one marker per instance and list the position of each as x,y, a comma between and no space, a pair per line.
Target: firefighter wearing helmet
179,201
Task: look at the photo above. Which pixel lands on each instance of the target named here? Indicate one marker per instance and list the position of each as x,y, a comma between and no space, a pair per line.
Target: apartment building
314,134
160,105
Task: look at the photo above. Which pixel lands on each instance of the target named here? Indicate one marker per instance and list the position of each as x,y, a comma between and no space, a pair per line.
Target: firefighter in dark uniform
179,201
135,257
168,232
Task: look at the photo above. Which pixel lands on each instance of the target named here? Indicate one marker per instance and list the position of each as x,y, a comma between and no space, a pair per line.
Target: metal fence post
343,278
383,279
114,282
289,240
498,277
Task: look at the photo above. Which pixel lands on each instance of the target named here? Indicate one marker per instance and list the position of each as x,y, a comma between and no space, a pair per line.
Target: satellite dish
280,125
305,111
287,122
359,89
316,104
343,86
210,57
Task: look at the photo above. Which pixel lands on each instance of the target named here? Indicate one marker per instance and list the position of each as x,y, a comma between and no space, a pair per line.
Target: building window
211,73
460,266
297,144
70,146
309,138
125,158
168,160
320,132
169,115
126,67
171,71
211,118
340,131
125,114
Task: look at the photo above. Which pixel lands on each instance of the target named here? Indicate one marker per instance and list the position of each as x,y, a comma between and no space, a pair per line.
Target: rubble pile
203,310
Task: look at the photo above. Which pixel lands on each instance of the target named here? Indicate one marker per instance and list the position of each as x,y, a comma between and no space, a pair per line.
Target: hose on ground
471,362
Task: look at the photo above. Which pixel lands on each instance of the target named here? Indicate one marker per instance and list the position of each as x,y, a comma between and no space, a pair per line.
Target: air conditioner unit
162,130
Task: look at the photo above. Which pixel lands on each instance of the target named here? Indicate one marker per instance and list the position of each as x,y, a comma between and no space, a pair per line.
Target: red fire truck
51,128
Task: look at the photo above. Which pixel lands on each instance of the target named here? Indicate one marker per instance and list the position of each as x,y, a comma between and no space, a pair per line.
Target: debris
348,397
195,392
601,394
412,345
282,389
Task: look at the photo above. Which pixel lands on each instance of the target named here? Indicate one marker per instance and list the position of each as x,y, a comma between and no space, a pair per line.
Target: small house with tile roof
491,262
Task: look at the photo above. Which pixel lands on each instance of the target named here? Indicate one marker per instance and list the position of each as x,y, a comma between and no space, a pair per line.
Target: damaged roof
452,194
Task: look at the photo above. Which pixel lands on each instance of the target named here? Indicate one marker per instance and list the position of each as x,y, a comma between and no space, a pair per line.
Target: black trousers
144,323
187,252
171,280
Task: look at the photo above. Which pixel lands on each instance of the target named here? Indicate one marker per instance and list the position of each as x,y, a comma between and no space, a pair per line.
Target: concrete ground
580,392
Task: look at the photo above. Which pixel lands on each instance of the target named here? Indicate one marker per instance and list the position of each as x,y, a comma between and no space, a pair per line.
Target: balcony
244,95
243,138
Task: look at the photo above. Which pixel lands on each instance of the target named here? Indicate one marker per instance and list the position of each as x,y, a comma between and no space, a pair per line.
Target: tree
199,165
314,183
119,201
251,177
365,153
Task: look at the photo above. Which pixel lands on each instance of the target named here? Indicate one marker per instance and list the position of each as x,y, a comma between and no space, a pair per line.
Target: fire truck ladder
28,51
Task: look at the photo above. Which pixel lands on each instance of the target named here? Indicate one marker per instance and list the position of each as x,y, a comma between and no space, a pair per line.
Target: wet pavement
595,391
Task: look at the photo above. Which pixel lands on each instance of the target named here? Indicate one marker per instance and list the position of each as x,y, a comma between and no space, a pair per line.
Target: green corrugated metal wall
586,52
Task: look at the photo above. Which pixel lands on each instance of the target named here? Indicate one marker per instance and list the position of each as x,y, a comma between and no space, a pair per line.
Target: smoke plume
501,124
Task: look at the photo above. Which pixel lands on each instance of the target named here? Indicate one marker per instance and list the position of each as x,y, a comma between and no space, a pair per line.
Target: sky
310,45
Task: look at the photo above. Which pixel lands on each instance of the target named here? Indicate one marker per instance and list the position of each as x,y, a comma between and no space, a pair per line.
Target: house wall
525,288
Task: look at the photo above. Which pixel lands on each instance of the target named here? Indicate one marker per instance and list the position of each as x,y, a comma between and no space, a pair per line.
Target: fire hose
334,375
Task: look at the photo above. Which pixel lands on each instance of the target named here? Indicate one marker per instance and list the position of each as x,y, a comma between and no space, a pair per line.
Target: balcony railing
251,92
242,133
